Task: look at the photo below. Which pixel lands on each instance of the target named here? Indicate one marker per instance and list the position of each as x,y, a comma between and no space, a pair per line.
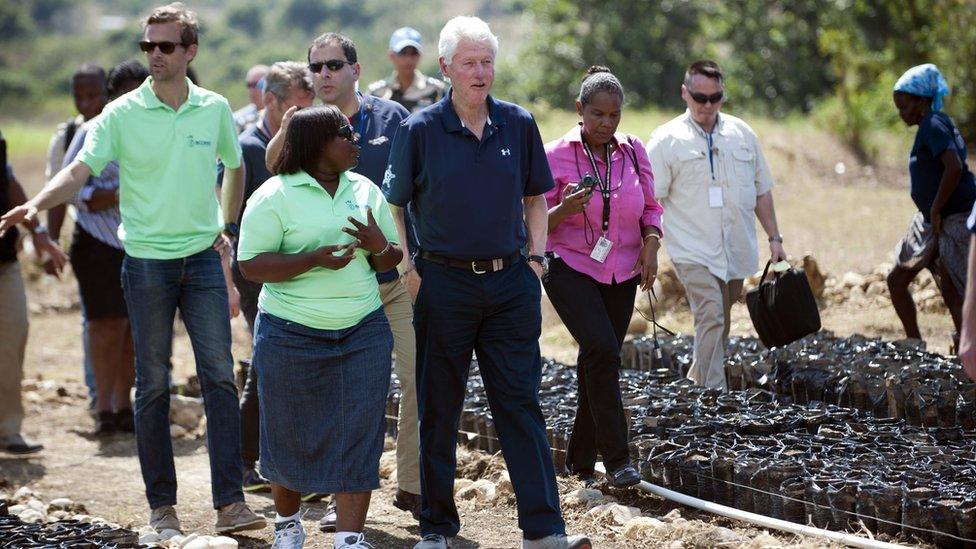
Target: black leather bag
783,308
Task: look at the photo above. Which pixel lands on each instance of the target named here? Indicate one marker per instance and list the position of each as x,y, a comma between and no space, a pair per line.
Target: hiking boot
253,481
125,421
164,518
105,424
288,535
408,501
434,541
354,542
19,446
624,476
238,516
558,541
328,522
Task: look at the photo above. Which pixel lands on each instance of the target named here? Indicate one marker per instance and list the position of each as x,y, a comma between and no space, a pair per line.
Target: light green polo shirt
292,214
167,167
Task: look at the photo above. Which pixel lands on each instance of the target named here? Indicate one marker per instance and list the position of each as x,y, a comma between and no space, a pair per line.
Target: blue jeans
154,289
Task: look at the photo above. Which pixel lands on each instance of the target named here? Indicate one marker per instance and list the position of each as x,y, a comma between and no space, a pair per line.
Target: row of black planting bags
886,379
64,534
830,465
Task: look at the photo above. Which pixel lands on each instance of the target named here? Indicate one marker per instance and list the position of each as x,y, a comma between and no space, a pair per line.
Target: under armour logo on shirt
506,152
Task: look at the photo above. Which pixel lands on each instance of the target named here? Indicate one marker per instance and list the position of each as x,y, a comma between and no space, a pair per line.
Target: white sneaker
434,541
288,535
558,541
353,542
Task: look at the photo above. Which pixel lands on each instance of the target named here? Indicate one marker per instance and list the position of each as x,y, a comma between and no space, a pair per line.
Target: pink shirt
632,206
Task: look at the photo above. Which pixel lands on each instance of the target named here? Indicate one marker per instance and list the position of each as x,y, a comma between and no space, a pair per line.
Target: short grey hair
285,75
464,27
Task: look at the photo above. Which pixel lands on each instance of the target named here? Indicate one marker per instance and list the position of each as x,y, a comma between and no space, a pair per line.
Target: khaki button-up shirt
710,199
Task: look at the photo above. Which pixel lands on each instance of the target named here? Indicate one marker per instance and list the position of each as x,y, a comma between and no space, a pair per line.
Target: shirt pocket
744,167
692,164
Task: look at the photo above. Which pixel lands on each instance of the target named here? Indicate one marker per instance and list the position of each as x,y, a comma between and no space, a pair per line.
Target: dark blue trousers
498,316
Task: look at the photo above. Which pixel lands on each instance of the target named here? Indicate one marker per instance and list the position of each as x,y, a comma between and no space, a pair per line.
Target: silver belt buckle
497,264
474,268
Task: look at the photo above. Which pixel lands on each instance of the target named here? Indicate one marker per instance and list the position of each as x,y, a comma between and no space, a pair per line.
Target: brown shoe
236,517
407,501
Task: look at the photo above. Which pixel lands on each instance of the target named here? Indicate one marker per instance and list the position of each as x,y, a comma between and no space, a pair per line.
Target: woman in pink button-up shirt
599,256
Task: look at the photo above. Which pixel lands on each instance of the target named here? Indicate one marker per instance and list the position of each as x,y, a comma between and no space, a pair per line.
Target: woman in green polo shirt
315,236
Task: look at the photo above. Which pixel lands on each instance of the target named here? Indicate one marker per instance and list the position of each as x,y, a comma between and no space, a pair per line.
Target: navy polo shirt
937,134
376,123
465,194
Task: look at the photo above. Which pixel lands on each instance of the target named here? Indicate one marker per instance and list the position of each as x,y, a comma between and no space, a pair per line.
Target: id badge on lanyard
603,245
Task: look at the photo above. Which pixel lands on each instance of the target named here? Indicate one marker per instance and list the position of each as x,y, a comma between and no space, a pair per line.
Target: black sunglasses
165,47
346,132
332,64
702,98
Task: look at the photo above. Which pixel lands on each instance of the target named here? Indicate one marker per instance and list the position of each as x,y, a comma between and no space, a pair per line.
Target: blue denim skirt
322,397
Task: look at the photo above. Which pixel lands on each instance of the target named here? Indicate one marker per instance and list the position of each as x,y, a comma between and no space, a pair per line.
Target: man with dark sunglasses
167,136
712,179
334,63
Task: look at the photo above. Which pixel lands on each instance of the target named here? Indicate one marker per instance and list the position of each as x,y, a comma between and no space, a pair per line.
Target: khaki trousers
13,341
711,301
398,307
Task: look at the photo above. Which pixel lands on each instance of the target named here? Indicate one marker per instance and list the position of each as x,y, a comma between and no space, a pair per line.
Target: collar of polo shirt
149,99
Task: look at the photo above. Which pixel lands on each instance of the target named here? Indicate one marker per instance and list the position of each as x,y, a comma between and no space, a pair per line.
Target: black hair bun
597,68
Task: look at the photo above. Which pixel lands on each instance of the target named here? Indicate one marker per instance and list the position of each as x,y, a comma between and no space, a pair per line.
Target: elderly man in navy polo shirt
474,171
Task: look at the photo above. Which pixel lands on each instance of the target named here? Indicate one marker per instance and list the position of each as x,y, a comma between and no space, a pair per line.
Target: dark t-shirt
936,134
467,194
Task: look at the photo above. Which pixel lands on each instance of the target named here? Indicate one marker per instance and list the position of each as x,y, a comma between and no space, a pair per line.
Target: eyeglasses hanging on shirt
603,245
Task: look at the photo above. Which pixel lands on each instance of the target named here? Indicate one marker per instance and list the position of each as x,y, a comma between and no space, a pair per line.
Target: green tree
247,18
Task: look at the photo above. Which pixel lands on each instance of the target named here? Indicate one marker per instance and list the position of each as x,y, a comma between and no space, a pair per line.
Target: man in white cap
407,85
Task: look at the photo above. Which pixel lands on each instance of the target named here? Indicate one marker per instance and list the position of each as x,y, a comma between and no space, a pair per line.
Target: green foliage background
834,60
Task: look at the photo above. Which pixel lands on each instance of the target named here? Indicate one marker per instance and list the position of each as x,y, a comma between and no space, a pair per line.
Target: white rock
461,484
852,280
672,516
583,497
200,542
640,527
188,539
16,509
151,537
223,542
620,514
38,506
24,494
31,515
61,503
676,544
720,536
176,431
82,518
482,490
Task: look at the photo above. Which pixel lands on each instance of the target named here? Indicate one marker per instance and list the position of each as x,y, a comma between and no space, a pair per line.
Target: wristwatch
777,238
232,229
542,260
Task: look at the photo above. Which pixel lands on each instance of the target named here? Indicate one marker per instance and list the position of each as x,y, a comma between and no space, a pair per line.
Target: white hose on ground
761,520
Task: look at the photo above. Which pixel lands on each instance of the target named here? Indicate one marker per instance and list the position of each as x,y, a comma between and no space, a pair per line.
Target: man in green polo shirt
167,136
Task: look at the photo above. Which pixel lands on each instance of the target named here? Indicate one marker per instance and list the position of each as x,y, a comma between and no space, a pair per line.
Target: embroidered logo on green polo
192,142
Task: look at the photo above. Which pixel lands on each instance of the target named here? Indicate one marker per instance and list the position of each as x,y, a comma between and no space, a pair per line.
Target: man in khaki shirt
711,177
407,85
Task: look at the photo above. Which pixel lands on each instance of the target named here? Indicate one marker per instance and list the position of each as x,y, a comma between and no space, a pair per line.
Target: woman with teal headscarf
942,186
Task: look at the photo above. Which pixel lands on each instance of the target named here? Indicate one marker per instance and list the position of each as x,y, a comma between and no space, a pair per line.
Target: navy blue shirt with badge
376,123
936,134
465,194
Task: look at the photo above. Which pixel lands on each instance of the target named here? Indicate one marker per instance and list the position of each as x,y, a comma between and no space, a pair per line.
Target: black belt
478,266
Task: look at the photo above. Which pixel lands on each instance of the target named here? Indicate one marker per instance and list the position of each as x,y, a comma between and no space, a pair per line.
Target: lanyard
603,183
711,153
